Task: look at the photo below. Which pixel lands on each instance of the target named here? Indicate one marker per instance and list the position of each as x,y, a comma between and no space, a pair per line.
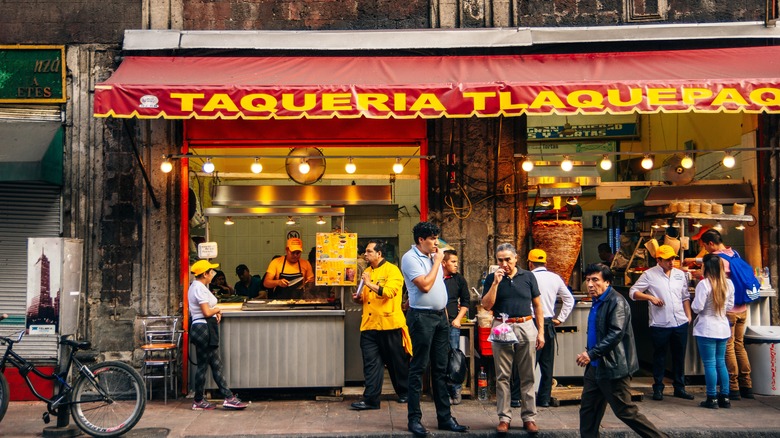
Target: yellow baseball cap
665,252
537,256
202,266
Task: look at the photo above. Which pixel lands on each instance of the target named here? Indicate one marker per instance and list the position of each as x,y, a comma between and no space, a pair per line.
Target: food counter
571,338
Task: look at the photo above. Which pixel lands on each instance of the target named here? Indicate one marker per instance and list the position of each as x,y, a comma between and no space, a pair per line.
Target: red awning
709,80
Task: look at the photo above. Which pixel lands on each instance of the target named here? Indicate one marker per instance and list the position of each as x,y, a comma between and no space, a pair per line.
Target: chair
161,352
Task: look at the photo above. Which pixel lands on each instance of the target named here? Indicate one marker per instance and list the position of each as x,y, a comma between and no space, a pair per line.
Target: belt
435,312
517,319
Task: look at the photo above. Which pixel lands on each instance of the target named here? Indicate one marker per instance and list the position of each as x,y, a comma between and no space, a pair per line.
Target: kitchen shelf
716,217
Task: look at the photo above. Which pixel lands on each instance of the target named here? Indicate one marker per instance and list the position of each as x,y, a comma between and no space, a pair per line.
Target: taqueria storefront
255,107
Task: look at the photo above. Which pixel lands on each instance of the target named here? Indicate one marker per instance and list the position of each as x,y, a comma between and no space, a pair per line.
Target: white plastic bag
503,333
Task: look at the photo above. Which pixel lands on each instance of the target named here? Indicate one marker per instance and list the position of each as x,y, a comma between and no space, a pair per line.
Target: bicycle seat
76,345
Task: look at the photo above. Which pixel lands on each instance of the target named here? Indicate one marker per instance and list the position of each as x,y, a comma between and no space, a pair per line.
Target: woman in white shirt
714,297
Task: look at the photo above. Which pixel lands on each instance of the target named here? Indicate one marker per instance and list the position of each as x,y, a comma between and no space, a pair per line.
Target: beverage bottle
482,385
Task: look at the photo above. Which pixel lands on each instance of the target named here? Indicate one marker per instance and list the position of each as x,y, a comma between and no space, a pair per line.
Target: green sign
32,74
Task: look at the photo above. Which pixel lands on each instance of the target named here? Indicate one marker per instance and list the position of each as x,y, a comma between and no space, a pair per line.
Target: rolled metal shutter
29,209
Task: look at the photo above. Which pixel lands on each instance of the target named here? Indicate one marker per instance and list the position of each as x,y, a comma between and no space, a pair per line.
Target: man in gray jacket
610,359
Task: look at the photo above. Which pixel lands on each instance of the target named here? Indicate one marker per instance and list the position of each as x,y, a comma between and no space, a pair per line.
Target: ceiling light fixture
605,163
572,200
229,221
676,224
527,165
740,227
664,224
567,165
697,224
166,166
655,226
647,162
321,220
398,167
717,226
350,166
686,162
545,202
290,221
256,167
208,166
729,160
304,167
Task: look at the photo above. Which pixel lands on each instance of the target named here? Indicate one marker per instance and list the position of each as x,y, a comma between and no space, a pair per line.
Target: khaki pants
522,358
737,362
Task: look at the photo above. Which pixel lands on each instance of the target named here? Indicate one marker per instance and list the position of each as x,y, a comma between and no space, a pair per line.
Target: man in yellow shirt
384,337
288,276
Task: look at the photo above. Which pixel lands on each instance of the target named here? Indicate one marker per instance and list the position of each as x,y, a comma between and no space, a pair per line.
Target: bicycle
106,400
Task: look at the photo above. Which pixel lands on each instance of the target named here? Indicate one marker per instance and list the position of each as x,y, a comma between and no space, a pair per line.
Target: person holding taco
287,276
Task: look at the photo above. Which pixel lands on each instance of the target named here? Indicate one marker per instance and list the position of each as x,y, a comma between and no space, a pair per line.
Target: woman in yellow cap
204,335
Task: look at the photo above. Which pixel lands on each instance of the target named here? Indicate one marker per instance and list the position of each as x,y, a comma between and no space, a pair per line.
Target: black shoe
452,425
363,406
681,393
403,399
746,392
723,401
710,403
417,429
658,394
735,395
515,403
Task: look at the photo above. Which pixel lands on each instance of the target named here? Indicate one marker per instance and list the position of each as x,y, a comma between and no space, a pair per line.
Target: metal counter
571,337
282,349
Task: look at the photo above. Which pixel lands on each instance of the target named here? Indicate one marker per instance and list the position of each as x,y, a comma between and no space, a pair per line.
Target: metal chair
161,352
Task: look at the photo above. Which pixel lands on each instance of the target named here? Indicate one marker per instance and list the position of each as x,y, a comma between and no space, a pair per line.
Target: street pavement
312,418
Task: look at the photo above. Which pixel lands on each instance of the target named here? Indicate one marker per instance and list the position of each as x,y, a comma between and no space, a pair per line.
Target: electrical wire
448,202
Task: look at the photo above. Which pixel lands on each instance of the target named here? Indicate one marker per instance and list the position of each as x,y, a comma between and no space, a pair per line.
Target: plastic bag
503,333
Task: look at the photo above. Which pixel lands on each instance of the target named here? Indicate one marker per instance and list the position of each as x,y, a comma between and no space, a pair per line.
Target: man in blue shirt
248,285
610,359
428,327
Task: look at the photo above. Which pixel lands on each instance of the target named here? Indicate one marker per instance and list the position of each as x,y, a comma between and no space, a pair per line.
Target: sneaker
202,405
233,403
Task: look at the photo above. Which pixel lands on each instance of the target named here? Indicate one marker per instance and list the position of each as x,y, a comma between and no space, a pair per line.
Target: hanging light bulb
655,226
208,166
229,221
717,226
166,166
290,221
605,163
320,220
398,167
647,162
729,160
567,164
665,224
256,167
686,162
572,200
676,224
527,165
740,227
697,224
545,202
304,167
350,166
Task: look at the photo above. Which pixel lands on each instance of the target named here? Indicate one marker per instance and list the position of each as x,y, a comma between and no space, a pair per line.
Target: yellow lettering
427,100
547,98
505,102
375,100
691,95
187,100
42,66
662,96
220,101
399,102
634,98
479,98
336,102
288,102
757,96
585,99
258,102
729,95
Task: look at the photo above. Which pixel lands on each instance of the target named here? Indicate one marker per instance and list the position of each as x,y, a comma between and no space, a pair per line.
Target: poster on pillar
44,264
336,260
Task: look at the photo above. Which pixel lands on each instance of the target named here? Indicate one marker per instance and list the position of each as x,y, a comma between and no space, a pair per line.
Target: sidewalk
288,418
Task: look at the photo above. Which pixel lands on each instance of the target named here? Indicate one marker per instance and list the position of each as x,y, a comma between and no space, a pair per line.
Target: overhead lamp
740,227
686,162
229,221
350,166
290,221
256,167
664,224
572,200
647,162
304,167
527,165
729,160
655,226
567,165
208,166
717,226
605,163
398,167
321,220
697,224
545,202
166,166
676,224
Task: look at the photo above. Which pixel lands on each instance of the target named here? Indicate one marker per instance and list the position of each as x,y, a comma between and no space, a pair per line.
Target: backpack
746,285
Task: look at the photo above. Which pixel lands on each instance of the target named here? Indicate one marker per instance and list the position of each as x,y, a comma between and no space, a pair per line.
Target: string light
304,167
527,165
729,160
398,167
208,166
605,163
686,162
740,227
320,221
545,202
647,162
256,167
717,226
572,200
350,166
290,221
229,221
567,165
166,166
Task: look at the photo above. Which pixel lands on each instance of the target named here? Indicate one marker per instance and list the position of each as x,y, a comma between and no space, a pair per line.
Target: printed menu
336,261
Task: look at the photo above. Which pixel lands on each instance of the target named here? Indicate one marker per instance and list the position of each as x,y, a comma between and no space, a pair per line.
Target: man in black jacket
610,359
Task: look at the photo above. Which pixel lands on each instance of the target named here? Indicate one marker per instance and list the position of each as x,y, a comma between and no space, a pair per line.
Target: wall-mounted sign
32,74
580,132
336,259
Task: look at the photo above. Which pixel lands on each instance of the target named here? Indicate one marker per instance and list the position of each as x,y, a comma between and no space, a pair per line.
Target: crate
485,346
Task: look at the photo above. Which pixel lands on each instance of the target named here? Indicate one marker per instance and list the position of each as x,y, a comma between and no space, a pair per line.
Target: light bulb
606,163
398,167
697,224
665,225
655,226
647,162
545,202
290,221
676,224
572,200
350,166
729,161
740,227
208,166
304,167
717,226
229,221
256,167
166,166
320,221
566,164
686,162
527,165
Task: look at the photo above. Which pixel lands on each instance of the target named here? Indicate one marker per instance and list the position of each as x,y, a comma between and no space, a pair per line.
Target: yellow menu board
336,259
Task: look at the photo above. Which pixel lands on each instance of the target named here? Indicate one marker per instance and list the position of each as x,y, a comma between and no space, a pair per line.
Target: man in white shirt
666,289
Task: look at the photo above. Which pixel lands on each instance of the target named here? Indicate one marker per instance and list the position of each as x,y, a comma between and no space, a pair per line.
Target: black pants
430,342
206,356
597,393
380,348
663,339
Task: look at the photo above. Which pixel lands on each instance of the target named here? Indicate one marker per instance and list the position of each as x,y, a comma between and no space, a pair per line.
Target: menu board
336,259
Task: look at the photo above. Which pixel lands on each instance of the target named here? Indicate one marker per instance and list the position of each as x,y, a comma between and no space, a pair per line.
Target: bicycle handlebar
3,316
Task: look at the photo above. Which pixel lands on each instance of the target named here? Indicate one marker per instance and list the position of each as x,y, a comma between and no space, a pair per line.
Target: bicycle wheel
4,396
111,403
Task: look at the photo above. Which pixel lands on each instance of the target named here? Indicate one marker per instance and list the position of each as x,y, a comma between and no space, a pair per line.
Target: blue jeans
454,343
713,356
